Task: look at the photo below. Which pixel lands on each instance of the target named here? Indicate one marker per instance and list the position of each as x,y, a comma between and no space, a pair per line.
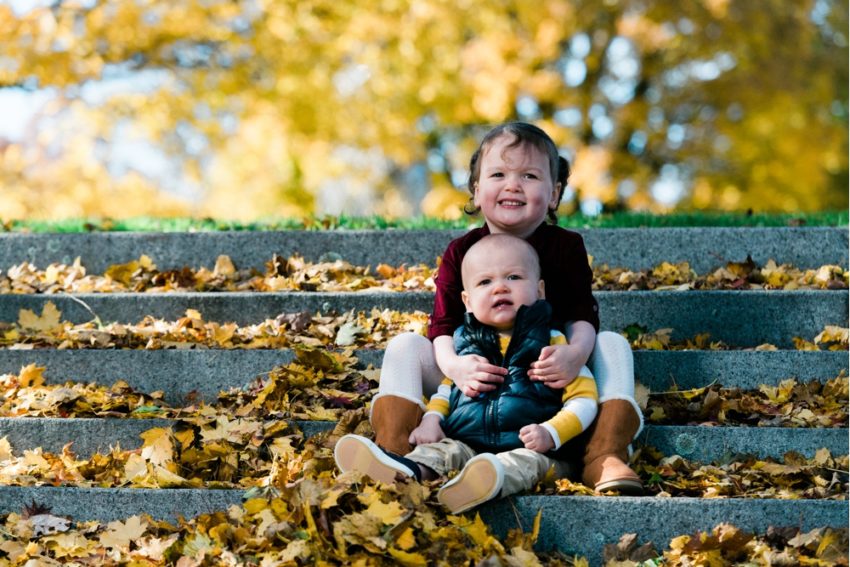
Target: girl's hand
536,438
473,374
428,431
558,365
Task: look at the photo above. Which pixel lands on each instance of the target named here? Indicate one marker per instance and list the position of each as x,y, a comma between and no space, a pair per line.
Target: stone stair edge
635,248
727,315
206,372
571,524
698,443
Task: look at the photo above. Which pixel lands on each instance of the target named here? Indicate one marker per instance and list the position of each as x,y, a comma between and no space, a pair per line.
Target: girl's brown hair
523,133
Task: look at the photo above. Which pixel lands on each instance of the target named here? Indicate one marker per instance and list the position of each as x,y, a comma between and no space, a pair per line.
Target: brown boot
607,450
393,418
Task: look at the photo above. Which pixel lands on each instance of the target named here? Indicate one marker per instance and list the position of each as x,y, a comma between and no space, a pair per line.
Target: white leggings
409,369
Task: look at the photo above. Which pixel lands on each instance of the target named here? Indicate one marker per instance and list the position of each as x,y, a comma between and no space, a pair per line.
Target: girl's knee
608,341
410,342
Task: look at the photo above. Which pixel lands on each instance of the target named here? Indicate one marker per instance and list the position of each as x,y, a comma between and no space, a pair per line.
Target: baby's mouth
507,203
502,303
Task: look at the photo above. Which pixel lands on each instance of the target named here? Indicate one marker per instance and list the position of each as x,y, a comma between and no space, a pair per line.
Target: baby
503,441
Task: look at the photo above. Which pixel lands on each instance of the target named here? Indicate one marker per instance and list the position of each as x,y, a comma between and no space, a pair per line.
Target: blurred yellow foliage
284,107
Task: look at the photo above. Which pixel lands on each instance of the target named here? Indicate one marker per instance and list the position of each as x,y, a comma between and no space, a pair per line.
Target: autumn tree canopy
250,108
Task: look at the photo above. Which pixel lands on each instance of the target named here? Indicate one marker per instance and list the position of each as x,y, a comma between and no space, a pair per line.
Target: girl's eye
497,174
531,175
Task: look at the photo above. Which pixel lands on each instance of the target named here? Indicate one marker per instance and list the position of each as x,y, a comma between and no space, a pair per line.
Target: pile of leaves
395,524
250,437
790,404
281,274
323,384
831,338
299,508
333,274
734,276
319,385
823,476
316,519
743,476
726,544
288,330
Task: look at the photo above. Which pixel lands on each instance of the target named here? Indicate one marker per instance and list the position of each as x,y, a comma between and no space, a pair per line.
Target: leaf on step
48,320
118,535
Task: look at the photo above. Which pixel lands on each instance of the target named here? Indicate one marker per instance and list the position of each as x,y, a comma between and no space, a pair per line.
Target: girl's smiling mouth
511,203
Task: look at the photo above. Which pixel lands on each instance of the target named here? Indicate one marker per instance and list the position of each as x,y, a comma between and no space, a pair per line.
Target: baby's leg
408,371
524,468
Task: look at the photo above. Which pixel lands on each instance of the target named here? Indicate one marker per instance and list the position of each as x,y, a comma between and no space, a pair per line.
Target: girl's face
514,189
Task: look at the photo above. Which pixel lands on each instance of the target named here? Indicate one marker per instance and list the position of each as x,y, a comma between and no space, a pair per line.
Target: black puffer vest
490,423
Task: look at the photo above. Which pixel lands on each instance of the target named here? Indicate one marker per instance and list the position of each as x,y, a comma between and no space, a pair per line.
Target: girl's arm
558,365
472,374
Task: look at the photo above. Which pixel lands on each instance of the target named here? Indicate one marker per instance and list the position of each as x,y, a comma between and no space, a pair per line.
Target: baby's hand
428,431
536,438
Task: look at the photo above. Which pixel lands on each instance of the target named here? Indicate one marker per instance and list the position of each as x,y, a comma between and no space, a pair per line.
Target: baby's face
496,282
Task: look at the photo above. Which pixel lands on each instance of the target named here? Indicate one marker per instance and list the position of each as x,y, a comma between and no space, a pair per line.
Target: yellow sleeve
439,402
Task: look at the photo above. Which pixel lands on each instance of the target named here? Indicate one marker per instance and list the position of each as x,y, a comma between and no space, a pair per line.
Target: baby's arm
429,430
576,415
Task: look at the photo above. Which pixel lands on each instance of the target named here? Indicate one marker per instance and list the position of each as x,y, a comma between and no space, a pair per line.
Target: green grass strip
614,220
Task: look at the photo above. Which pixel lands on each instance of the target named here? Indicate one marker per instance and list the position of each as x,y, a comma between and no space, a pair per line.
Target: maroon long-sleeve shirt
564,268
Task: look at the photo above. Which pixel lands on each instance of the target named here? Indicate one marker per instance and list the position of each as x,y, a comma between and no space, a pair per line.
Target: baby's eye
485,281
531,175
497,174
514,277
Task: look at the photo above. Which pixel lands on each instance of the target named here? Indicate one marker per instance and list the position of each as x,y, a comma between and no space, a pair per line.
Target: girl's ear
556,192
475,194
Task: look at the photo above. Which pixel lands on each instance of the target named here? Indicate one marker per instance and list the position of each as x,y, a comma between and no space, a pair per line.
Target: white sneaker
357,453
479,481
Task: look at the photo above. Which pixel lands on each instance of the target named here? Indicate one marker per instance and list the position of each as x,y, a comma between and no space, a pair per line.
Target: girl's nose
513,182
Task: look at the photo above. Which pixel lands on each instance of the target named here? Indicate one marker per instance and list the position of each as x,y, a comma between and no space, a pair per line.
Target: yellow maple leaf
158,447
390,513
5,449
135,467
122,273
31,375
119,534
480,534
408,559
406,539
224,266
50,318
67,544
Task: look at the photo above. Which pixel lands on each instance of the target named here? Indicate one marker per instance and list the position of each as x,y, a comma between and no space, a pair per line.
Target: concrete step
635,248
738,318
209,371
572,524
699,443
583,526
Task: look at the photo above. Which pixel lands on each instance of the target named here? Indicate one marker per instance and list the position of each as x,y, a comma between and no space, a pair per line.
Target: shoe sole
478,482
354,453
623,486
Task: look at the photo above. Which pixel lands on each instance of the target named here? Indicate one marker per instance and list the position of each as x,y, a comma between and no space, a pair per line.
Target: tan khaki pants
523,468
